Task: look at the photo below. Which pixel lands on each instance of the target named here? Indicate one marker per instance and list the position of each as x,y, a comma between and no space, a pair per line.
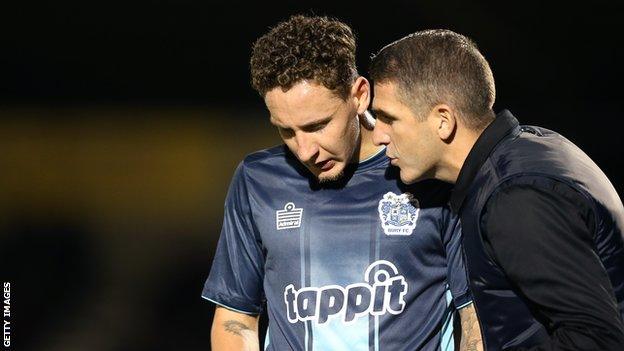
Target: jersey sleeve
457,276
237,272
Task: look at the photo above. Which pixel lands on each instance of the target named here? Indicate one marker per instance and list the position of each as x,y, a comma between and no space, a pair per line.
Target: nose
307,147
380,135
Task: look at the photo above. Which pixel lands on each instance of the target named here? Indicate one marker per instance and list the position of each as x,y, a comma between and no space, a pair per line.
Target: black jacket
542,235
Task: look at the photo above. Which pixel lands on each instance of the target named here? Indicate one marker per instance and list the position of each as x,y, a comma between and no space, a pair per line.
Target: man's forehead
384,96
390,103
300,120
384,88
302,106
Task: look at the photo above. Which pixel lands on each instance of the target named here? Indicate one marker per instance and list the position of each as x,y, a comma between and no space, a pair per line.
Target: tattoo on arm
471,331
235,327
249,336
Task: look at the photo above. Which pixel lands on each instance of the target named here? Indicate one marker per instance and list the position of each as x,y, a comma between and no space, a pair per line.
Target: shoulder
277,151
537,150
268,166
276,160
273,154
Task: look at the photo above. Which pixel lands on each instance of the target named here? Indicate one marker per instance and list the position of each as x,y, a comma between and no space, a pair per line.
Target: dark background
122,123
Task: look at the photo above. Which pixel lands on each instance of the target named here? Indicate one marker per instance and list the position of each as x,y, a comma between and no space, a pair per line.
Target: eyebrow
316,123
305,126
377,112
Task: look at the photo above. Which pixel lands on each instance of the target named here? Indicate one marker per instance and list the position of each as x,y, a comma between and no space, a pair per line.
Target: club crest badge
398,214
289,217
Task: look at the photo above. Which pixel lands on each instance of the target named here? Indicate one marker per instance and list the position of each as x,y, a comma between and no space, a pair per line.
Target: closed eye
382,116
314,128
285,132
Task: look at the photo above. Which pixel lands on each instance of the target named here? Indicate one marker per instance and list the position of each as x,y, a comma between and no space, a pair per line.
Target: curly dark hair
302,48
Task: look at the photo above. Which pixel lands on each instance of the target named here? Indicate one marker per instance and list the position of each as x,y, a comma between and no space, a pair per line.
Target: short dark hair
302,48
439,66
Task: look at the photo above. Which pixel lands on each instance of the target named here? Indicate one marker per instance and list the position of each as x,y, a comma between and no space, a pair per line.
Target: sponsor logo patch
383,291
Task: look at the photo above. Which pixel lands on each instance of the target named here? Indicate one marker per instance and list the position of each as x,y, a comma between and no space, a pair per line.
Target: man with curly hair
320,231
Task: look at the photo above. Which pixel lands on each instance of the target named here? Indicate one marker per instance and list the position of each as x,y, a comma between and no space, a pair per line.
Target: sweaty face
411,141
318,126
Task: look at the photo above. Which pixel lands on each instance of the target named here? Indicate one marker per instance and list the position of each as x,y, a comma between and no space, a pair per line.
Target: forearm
234,331
470,330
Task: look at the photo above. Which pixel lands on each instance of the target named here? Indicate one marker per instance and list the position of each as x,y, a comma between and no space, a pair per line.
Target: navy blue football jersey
366,264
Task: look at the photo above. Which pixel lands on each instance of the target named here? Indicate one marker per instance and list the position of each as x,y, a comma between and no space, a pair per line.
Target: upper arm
237,271
543,240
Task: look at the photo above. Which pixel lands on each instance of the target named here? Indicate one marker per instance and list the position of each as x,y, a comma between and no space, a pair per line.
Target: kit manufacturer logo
289,217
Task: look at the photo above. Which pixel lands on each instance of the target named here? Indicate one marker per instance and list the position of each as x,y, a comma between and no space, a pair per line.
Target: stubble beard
331,179
355,150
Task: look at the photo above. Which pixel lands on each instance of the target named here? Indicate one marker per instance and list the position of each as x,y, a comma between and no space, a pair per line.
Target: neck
367,147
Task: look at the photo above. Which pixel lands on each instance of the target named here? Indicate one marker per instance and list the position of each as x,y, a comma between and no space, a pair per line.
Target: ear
360,93
446,121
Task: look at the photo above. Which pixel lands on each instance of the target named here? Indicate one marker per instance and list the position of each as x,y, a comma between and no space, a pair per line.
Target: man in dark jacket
542,225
